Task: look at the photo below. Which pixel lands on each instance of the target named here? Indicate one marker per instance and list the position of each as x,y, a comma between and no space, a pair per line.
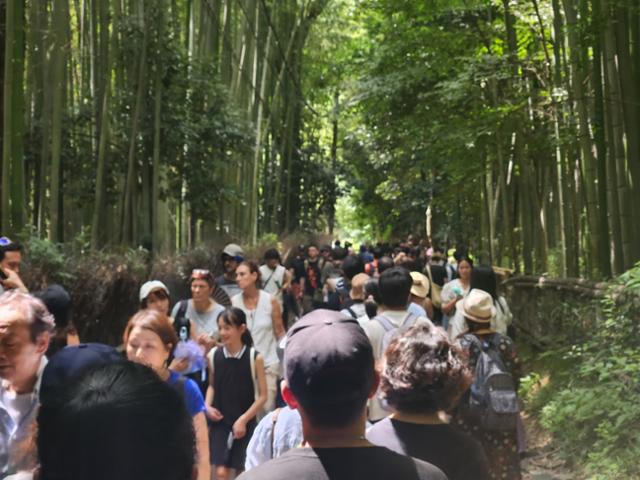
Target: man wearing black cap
232,256
329,371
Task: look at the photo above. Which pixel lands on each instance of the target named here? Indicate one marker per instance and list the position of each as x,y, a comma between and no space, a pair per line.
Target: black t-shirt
438,273
357,463
298,269
313,276
457,454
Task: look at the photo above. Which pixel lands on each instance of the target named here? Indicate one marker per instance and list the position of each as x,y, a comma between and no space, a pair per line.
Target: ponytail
247,339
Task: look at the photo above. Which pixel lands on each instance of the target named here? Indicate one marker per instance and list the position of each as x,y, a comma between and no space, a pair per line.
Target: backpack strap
385,322
182,310
409,321
253,354
274,420
210,360
427,269
266,282
351,312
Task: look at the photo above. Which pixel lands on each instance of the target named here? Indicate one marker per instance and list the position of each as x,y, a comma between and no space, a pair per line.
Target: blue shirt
417,310
17,445
191,393
287,434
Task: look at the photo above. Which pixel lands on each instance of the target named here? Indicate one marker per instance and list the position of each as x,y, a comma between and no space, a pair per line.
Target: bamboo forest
171,121
154,147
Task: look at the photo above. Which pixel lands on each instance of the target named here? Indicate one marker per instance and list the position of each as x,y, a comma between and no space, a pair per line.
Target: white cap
233,250
152,286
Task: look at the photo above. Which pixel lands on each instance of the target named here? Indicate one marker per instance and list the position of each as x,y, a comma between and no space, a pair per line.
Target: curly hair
423,372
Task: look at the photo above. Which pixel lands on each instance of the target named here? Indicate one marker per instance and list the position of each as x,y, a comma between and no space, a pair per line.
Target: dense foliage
158,122
589,403
171,122
515,122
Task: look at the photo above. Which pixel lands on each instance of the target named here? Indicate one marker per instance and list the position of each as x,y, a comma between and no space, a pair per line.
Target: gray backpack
493,400
391,331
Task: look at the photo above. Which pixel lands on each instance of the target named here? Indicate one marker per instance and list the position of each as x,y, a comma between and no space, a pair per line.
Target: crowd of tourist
392,361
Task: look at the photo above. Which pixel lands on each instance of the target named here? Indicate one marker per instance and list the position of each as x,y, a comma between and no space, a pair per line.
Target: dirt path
542,461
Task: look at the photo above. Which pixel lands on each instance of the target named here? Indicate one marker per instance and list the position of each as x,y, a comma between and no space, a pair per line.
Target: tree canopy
166,123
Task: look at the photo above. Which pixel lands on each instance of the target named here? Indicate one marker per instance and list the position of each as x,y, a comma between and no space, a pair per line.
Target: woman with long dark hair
456,290
484,278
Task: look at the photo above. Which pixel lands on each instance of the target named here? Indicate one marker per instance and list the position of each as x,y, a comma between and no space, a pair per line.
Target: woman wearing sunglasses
197,318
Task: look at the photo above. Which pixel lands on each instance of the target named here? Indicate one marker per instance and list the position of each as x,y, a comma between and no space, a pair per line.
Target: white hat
152,286
233,250
478,306
421,285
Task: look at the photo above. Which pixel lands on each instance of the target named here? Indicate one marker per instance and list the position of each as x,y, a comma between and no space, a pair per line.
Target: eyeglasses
200,274
4,241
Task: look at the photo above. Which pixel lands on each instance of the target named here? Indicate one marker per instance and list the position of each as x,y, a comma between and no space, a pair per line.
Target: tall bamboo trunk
601,148
617,146
8,113
58,67
577,85
629,100
129,213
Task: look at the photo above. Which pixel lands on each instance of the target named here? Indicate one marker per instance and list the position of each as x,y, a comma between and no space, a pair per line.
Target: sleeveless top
232,384
260,324
205,322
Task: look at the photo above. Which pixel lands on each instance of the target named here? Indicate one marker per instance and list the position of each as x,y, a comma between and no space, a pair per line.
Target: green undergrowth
587,394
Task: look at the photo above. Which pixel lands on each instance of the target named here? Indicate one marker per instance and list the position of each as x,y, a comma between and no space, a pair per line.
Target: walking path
542,461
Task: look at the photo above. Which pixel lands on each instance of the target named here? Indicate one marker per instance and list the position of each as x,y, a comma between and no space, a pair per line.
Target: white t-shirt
449,292
503,317
357,308
260,323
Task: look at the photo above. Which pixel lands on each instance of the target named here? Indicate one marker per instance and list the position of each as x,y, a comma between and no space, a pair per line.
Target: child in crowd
237,392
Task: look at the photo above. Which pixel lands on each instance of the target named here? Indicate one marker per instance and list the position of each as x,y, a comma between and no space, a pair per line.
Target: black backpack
181,323
493,400
182,326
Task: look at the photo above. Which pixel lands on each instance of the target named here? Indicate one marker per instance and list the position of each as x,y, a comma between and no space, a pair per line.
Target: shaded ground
542,461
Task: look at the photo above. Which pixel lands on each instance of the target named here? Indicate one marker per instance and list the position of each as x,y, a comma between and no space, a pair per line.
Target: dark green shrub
593,409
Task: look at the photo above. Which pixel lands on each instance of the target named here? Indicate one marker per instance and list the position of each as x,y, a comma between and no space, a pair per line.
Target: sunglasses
200,274
4,241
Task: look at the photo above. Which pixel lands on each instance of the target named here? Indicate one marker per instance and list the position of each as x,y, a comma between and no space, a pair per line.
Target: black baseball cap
72,361
328,360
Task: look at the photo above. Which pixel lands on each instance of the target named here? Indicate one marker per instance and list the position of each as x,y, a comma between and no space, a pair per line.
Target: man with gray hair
25,325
